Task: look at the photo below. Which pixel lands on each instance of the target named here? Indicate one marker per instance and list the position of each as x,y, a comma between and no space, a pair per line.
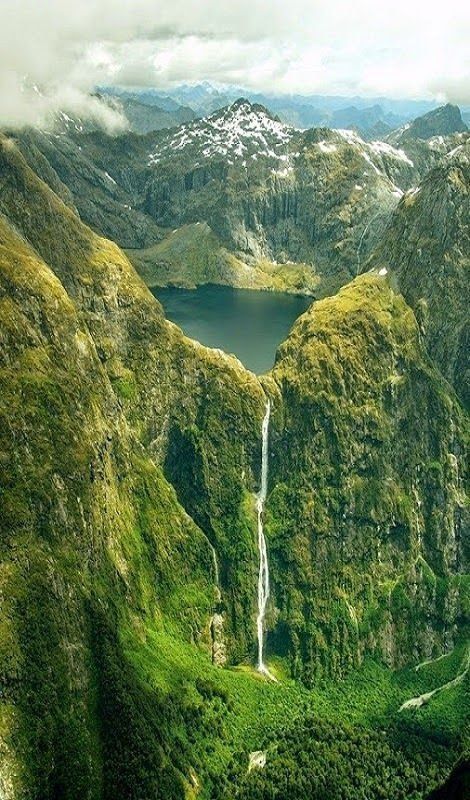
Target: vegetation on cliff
130,459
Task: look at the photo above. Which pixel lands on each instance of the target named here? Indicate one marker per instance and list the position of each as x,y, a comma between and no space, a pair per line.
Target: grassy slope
193,255
107,692
361,520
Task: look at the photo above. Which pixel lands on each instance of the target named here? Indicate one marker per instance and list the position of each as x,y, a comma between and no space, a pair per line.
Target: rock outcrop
367,525
427,248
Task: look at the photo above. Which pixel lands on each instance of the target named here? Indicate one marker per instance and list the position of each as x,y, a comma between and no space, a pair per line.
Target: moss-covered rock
97,552
427,246
366,519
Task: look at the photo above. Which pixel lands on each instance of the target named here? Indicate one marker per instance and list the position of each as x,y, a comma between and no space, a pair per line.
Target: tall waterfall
263,575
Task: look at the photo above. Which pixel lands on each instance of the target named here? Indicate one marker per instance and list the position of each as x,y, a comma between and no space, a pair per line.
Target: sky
399,49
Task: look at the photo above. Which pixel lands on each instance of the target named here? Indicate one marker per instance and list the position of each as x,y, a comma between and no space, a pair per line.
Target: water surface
248,324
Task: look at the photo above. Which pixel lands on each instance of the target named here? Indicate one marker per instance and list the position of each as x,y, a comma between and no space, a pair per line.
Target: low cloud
310,46
26,104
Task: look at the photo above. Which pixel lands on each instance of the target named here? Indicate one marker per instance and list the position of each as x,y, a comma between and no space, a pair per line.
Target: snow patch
327,147
231,132
382,148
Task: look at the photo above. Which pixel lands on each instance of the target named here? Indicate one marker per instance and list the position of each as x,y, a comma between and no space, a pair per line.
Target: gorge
138,602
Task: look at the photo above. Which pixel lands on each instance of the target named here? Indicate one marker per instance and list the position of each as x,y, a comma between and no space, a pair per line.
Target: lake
246,323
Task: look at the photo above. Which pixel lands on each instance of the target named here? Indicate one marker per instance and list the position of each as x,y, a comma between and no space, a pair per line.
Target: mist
67,48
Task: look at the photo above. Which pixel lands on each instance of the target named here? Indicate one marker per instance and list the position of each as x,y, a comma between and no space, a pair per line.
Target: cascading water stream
216,573
219,651
263,575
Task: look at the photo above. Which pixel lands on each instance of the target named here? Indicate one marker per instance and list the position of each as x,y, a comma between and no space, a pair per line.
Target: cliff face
176,394
130,457
100,396
367,528
95,548
427,246
68,167
440,121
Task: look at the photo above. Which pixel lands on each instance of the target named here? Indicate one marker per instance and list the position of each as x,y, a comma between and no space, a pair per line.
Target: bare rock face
219,649
440,121
257,760
426,246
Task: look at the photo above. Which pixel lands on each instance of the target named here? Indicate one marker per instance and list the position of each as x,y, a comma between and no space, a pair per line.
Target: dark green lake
248,324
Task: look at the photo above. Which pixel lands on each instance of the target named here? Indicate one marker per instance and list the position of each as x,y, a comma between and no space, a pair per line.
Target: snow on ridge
383,148
377,147
452,153
233,132
351,136
327,147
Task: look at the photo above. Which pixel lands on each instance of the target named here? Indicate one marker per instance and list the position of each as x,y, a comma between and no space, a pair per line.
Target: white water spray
263,575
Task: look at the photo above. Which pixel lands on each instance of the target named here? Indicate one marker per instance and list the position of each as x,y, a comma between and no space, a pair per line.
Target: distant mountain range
239,197
372,117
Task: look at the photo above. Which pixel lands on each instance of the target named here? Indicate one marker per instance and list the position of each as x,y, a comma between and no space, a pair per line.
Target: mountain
238,197
66,166
266,190
304,110
371,117
148,97
368,121
131,460
240,131
95,545
143,117
361,428
427,246
440,121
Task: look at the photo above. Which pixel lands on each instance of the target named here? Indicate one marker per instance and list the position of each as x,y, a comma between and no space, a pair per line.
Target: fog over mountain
67,48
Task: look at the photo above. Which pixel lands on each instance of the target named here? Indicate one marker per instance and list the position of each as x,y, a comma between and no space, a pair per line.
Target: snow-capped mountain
236,133
258,188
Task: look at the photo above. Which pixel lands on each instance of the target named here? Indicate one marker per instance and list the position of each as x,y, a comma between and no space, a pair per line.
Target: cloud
404,48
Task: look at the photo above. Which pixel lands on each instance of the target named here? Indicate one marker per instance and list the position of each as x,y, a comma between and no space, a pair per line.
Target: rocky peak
440,121
237,132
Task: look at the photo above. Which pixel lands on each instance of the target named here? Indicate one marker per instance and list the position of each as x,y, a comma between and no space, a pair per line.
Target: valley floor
354,728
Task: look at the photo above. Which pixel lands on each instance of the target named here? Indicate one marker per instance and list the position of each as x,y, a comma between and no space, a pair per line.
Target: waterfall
216,573
263,575
219,650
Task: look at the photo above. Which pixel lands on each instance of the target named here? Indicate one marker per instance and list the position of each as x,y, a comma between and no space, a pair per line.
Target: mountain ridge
134,458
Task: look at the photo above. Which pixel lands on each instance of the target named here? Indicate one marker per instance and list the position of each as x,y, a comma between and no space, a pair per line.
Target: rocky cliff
130,460
440,121
427,247
101,397
367,522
